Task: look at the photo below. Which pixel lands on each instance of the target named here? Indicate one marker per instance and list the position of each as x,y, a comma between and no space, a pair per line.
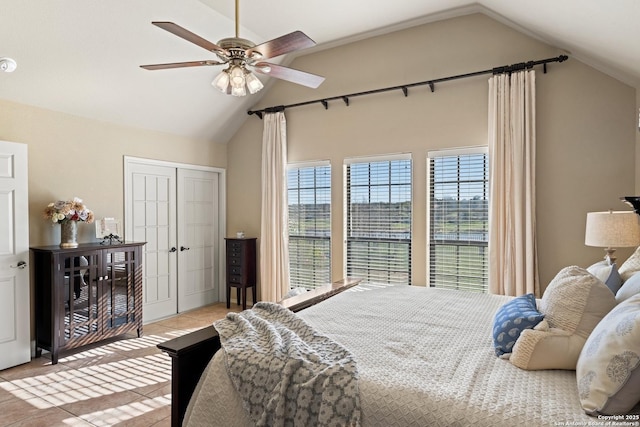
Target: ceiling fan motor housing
237,48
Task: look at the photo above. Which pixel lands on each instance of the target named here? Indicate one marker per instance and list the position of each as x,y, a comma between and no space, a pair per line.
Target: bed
425,357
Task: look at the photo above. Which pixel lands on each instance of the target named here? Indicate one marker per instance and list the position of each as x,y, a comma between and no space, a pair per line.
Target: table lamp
612,229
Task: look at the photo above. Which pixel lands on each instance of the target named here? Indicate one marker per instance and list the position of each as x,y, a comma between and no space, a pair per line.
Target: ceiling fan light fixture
238,91
221,82
237,77
235,80
253,83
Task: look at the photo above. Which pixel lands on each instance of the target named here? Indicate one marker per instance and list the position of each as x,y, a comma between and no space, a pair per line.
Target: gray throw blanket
287,373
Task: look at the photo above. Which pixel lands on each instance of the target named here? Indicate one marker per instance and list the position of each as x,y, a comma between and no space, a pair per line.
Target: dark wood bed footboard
191,353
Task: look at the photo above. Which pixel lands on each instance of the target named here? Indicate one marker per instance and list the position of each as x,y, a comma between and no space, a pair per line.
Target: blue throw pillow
511,319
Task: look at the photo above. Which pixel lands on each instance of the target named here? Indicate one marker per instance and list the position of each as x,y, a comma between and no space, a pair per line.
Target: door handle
21,265
173,249
182,248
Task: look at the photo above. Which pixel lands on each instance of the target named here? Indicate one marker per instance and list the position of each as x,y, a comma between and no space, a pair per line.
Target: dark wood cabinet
241,269
86,294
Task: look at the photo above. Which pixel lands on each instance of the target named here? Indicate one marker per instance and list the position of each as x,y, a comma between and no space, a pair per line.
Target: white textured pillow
538,349
573,304
630,288
607,273
608,370
630,266
575,301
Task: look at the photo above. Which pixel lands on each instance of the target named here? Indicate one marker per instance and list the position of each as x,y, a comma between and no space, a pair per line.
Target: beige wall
585,125
587,133
71,156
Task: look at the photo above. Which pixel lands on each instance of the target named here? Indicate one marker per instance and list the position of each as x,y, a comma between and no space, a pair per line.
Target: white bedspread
425,358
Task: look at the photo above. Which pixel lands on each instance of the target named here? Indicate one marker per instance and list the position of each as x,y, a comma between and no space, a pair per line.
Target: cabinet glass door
80,294
119,287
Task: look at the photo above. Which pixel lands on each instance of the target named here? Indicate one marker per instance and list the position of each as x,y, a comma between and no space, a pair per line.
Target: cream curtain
513,260
274,239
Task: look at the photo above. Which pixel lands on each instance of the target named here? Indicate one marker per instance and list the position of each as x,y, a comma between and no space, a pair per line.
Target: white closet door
198,239
15,329
178,210
151,218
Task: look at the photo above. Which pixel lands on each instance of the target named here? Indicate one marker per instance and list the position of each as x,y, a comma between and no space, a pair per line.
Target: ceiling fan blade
284,44
179,65
189,36
289,74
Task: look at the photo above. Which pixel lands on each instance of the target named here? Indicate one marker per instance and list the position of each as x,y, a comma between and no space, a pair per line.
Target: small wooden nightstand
241,268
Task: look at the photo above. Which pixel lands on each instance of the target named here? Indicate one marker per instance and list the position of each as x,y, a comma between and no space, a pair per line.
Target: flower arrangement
69,210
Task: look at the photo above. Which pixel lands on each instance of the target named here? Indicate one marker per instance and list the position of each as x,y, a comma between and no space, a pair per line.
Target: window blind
378,220
309,199
459,219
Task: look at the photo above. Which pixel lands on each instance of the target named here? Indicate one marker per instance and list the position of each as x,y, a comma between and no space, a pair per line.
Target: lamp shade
612,229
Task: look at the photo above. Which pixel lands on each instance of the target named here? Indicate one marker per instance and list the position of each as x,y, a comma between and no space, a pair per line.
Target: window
309,198
459,219
378,220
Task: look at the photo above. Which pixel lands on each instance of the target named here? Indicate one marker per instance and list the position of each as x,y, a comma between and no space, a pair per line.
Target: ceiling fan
243,56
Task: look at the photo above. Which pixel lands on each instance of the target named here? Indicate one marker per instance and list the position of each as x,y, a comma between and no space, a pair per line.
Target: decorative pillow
608,370
630,288
630,266
550,349
573,304
511,319
607,273
575,301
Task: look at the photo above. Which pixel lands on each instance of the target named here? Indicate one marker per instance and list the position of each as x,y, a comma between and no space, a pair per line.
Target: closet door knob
173,249
182,248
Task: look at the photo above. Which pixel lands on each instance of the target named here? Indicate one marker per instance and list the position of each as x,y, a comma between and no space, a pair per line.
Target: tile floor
123,382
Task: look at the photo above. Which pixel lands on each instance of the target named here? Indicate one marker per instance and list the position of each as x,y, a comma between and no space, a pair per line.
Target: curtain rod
405,88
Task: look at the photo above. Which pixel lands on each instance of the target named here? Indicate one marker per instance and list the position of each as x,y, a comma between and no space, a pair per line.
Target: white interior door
198,238
151,217
15,329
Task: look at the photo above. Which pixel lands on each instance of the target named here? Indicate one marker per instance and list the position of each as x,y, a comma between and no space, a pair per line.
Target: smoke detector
7,65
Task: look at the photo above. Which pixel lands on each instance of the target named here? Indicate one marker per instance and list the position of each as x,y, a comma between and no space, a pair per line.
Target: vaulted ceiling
82,57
